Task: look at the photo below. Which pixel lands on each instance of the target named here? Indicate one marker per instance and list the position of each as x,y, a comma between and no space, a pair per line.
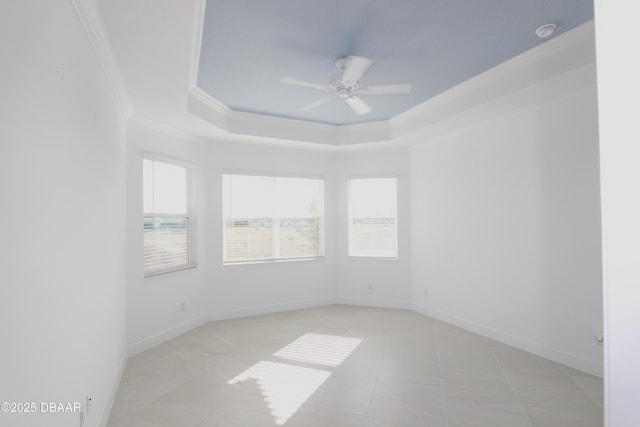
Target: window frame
190,180
395,257
271,174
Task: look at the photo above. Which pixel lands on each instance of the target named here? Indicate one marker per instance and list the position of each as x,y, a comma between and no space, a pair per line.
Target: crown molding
208,108
196,43
215,112
89,16
203,105
569,51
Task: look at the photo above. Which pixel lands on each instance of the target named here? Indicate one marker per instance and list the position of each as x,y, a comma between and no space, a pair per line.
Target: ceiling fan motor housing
345,85
344,89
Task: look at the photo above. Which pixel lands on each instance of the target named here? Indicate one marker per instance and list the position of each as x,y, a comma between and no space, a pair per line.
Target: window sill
158,273
272,261
373,258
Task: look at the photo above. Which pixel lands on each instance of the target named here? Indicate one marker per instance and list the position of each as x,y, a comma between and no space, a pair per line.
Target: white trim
170,161
273,174
276,255
150,124
196,43
156,273
372,302
571,50
206,107
526,345
268,309
106,409
170,333
166,335
372,258
373,175
538,349
89,16
567,84
190,214
273,260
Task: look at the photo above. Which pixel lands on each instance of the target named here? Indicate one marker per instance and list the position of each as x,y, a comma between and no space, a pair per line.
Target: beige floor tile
591,385
407,402
477,383
510,357
562,421
486,417
345,393
171,414
314,416
561,407
408,370
123,421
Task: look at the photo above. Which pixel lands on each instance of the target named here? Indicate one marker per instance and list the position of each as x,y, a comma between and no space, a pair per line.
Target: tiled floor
349,366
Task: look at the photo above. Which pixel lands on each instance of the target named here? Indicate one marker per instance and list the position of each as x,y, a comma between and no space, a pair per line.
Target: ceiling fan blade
355,68
358,105
388,89
316,104
304,83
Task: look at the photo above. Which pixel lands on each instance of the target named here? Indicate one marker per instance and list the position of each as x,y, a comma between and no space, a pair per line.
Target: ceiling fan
346,85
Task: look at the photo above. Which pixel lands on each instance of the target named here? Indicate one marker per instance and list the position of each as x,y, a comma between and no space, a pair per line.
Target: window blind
373,218
272,218
167,219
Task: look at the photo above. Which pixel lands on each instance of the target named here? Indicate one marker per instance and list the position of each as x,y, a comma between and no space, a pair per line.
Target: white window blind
272,218
167,217
373,217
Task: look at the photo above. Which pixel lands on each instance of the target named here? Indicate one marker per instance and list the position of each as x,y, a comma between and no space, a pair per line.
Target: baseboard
106,409
159,338
166,335
523,344
267,309
372,302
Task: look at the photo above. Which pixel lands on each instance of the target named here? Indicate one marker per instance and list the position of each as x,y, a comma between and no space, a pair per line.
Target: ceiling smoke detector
545,31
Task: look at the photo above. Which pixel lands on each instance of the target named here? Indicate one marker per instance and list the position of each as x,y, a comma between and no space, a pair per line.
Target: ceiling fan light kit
346,85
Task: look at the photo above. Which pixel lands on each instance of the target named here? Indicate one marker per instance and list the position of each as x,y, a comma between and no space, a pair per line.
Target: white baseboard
159,338
106,409
521,343
371,302
267,309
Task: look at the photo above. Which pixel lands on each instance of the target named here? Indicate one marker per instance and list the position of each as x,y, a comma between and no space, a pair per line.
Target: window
373,217
272,218
168,221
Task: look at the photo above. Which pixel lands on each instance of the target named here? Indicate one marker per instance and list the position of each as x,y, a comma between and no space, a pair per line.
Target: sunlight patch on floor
287,387
320,349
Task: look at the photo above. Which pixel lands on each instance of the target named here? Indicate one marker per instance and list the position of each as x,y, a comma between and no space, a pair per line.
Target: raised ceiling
248,46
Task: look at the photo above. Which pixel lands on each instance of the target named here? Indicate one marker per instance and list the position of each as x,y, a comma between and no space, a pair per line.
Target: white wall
154,303
390,279
211,290
618,93
241,289
505,221
62,251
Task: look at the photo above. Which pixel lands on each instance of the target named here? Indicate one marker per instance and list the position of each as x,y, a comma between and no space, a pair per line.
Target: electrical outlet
183,307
